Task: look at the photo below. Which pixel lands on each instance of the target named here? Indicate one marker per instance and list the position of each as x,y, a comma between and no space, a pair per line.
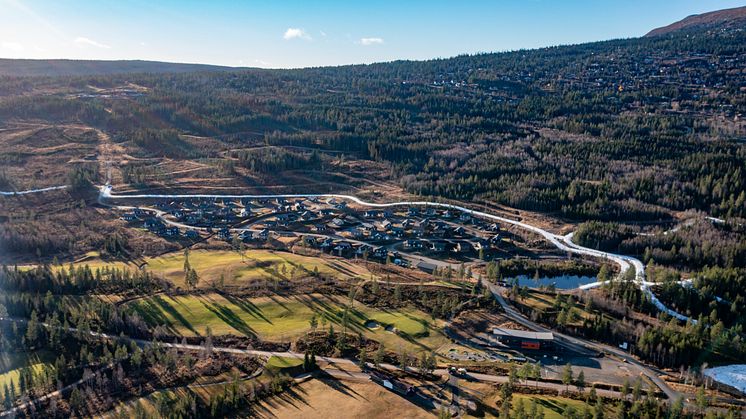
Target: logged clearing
255,265
280,318
326,398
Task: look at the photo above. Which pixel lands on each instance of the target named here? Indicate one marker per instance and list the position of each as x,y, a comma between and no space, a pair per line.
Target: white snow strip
731,375
30,191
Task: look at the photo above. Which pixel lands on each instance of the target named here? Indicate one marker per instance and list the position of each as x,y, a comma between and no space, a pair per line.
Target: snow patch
732,375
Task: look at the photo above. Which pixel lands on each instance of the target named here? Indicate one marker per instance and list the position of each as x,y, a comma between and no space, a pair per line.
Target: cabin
413,244
371,214
171,232
128,216
246,236
363,250
427,267
463,247
438,246
191,234
337,223
480,244
342,248
224,234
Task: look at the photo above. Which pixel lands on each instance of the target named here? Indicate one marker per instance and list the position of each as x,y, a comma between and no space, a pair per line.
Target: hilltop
13,67
723,19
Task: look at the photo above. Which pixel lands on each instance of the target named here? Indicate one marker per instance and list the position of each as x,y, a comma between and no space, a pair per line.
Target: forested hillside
623,129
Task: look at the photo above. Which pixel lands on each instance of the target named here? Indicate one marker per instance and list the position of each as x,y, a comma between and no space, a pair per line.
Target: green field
281,363
11,365
282,318
554,407
238,270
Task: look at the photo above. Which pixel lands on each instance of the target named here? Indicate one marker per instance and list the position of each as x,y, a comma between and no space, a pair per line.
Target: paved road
331,361
581,345
563,243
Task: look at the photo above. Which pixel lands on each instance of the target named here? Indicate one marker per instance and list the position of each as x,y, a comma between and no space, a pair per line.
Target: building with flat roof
522,339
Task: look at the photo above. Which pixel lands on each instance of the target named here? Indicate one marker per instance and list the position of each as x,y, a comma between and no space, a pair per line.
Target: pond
564,282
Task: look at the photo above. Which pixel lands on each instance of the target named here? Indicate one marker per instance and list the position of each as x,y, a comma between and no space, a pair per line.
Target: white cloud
296,33
86,42
13,46
371,41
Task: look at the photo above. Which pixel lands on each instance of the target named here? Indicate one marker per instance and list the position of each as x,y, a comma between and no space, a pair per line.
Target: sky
289,34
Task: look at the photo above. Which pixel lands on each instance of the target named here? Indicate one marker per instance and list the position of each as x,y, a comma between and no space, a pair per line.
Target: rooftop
522,334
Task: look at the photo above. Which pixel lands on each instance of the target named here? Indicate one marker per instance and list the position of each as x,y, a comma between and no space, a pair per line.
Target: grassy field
554,407
255,265
11,365
281,318
331,399
281,362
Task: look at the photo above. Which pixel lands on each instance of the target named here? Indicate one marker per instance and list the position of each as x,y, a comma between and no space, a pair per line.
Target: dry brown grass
327,398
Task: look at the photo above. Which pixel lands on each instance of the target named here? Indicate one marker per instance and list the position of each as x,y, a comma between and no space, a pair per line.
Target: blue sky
314,33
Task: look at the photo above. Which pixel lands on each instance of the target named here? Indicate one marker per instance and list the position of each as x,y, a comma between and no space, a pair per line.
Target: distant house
246,236
459,231
397,232
380,252
357,233
191,234
426,267
412,211
438,246
320,228
310,241
371,214
465,217
480,244
342,248
337,223
224,234
264,234
171,232
463,247
363,250
129,216
413,244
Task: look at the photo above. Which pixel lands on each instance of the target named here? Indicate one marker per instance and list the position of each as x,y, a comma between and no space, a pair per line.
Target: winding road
563,243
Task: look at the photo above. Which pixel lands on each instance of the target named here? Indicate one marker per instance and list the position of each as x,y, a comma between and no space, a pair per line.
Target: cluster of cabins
328,225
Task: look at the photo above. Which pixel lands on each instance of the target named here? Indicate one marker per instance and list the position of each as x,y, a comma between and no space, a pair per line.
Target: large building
521,339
